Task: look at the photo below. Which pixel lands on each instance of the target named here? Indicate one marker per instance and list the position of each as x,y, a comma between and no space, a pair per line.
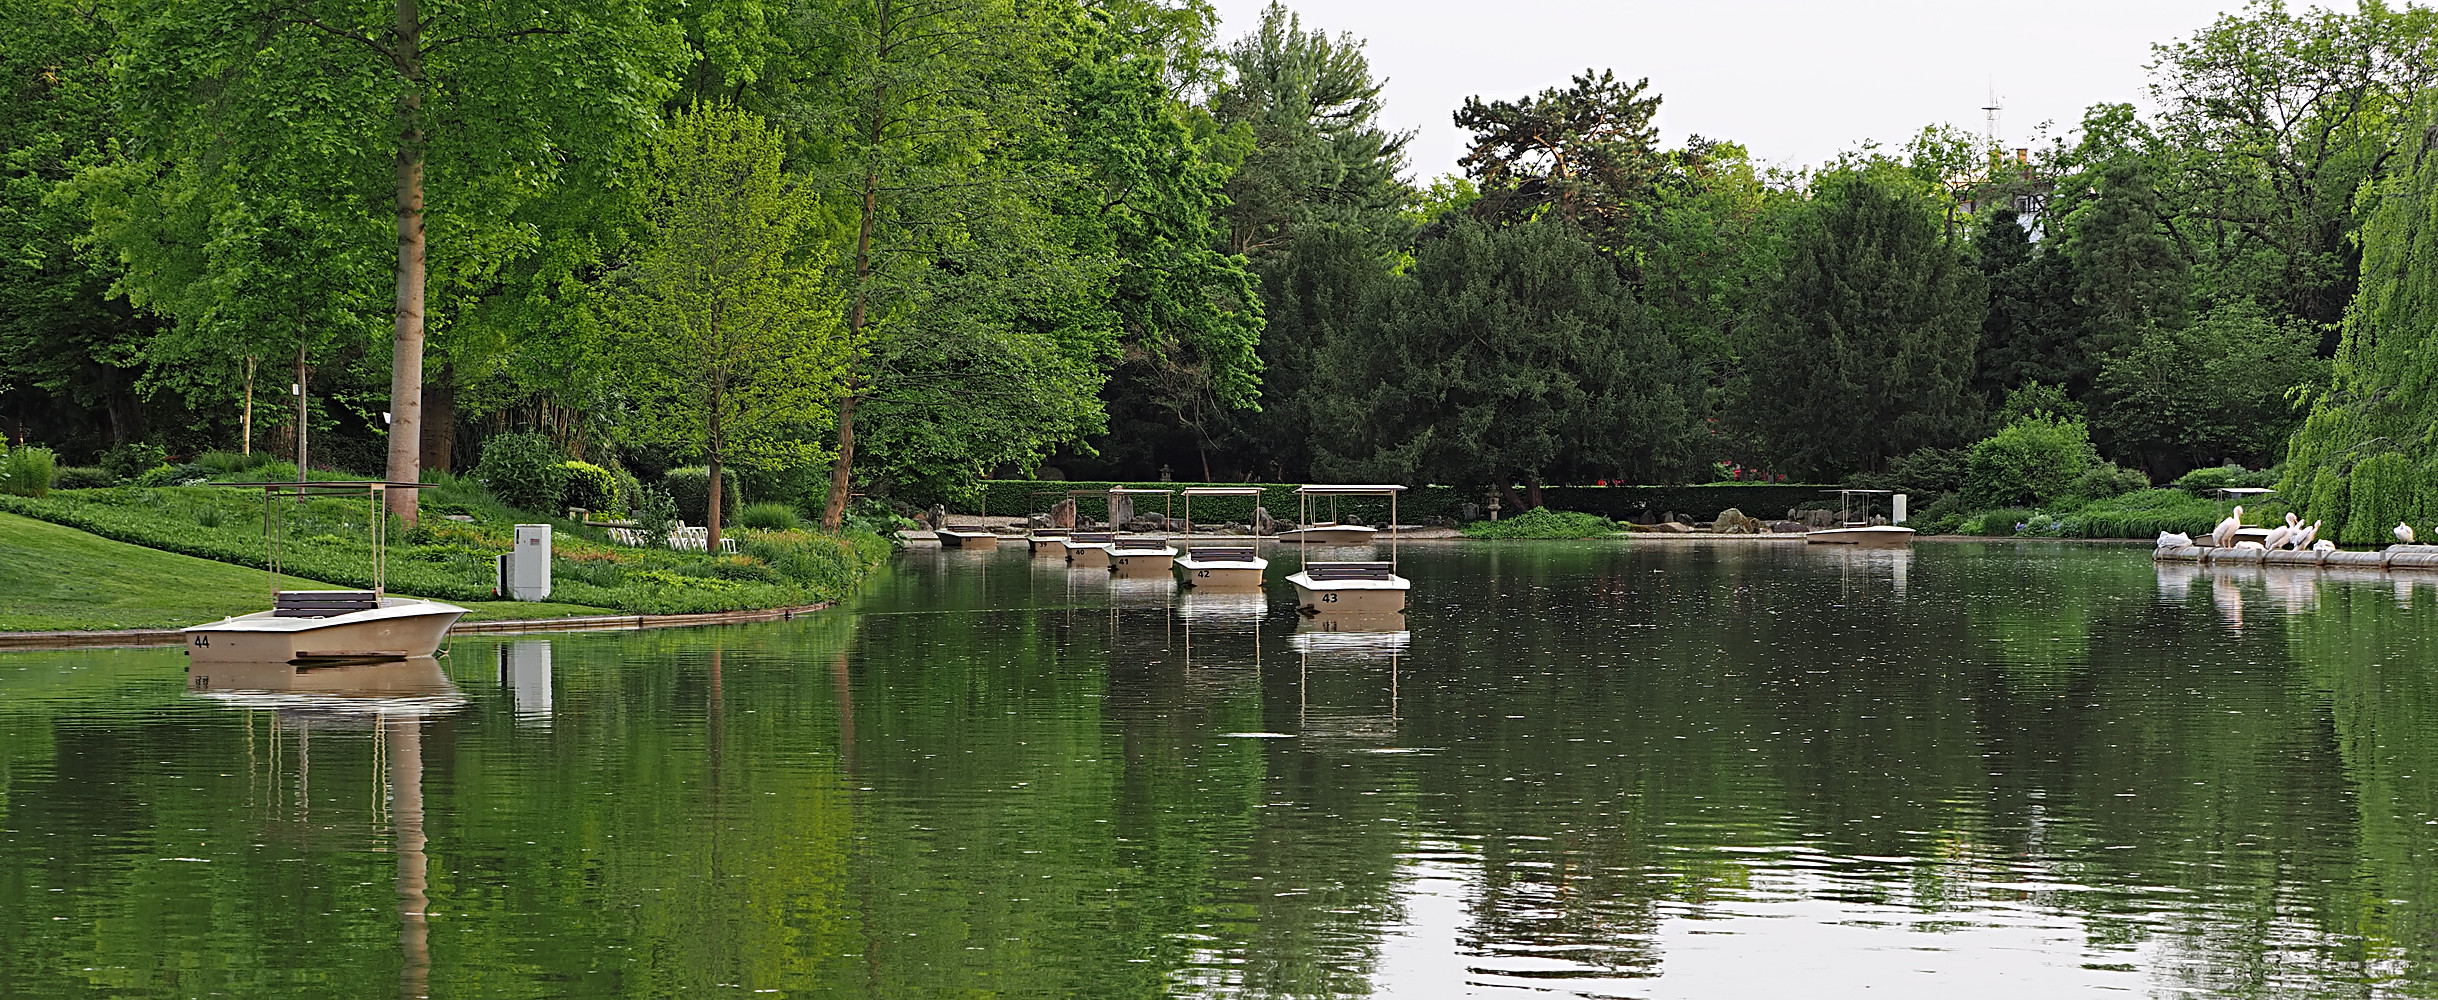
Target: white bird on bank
2248,544
2323,545
2279,537
2404,533
2224,534
2293,520
2174,540
2309,535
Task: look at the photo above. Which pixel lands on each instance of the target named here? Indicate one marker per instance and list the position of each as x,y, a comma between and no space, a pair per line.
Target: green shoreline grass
58,579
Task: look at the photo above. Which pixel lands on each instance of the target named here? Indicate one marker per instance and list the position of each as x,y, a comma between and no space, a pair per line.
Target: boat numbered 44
327,626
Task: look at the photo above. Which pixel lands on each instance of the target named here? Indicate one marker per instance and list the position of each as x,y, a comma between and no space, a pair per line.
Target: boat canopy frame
1190,492
376,491
1845,506
1305,496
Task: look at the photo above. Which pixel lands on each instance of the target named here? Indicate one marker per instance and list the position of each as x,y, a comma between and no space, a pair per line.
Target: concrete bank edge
136,638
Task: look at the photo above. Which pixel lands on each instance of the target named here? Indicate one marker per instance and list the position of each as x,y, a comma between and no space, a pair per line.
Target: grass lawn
55,578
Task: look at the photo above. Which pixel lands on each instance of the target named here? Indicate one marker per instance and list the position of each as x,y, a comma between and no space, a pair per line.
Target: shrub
27,471
224,463
133,459
769,517
2144,514
2032,461
588,486
2003,522
655,514
524,471
175,475
691,488
2331,500
1542,522
80,477
2105,480
2226,477
629,490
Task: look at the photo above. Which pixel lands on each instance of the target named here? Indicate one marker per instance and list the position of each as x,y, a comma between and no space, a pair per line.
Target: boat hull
1088,556
1049,548
976,540
401,628
1359,597
1222,576
1880,537
1143,562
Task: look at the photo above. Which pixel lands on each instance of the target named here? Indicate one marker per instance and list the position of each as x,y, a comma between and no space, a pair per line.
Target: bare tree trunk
1532,491
245,423
302,392
406,347
711,541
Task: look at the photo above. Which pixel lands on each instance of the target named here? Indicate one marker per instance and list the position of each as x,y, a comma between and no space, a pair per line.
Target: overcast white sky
1793,80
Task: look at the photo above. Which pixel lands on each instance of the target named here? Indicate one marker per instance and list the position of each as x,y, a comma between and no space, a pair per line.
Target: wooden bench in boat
323,603
1141,544
1323,571
1222,553
1092,538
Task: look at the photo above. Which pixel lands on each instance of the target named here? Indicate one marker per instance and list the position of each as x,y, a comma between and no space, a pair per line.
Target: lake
1647,769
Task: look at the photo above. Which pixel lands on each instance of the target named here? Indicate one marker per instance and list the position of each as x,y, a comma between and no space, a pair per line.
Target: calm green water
1647,771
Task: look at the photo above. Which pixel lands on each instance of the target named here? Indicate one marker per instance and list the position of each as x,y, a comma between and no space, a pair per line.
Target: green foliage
769,517
2003,522
629,495
2213,392
183,474
2143,514
2034,399
2382,491
2330,500
588,486
655,514
222,463
690,488
1542,522
79,477
133,459
1865,350
27,471
2031,462
2102,481
524,470
2201,481
1575,385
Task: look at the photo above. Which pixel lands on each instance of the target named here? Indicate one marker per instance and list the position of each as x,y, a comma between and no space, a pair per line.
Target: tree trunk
406,348
711,507
834,510
301,412
440,421
245,423
1532,492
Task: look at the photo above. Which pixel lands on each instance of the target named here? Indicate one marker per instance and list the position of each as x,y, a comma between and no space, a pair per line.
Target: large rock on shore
1735,522
1062,514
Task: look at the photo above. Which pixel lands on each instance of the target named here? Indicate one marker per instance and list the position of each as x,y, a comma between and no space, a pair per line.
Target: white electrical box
524,573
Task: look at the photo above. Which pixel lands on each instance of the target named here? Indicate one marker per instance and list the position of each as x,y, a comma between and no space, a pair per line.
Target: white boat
1090,549
1855,524
1347,587
1048,543
1223,567
1220,564
1141,555
968,537
327,626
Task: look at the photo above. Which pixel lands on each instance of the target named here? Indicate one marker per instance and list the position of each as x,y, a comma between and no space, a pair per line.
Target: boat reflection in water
1373,639
1234,617
393,699
1868,562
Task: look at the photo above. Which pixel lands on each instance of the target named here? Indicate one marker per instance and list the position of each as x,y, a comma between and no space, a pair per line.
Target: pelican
2304,540
2278,537
2224,534
2249,544
2174,540
2404,533
2323,545
2293,520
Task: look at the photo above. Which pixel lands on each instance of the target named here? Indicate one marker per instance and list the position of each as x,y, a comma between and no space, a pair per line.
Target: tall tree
1318,153
492,101
1513,355
1866,350
727,311
1587,152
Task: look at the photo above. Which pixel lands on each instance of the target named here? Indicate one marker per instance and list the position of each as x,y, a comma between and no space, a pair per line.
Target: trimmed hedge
1016,497
691,488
